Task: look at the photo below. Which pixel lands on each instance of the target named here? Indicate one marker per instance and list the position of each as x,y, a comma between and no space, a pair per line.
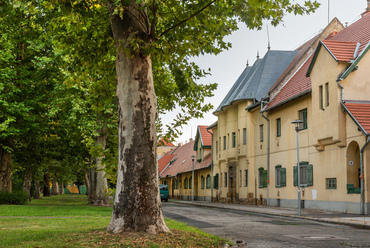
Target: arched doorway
353,164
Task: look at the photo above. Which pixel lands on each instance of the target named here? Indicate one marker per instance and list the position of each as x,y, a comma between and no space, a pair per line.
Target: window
240,178
176,183
200,155
278,127
225,184
303,118
234,139
246,178
216,147
327,94
280,176
202,182
261,133
208,181
224,142
331,183
219,141
190,182
277,176
321,97
186,182
262,176
244,136
228,140
306,174
215,181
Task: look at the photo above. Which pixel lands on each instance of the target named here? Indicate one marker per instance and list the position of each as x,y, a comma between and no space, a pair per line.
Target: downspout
211,165
268,153
362,204
342,89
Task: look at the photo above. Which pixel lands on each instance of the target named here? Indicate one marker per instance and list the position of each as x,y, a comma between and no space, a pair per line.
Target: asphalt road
259,230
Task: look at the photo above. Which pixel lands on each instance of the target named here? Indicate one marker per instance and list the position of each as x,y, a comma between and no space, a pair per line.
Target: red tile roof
343,51
359,31
206,137
361,112
296,85
164,161
164,142
183,161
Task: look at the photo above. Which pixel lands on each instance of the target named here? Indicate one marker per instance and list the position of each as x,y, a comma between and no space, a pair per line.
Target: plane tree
154,42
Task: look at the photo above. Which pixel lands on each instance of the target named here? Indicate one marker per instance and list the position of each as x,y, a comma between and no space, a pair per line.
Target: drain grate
315,237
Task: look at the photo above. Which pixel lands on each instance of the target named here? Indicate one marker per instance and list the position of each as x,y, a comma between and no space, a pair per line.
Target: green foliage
14,198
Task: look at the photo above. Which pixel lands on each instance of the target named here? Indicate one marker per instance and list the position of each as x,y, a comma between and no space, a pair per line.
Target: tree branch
185,20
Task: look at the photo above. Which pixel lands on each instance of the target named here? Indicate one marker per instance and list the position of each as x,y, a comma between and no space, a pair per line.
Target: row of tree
66,66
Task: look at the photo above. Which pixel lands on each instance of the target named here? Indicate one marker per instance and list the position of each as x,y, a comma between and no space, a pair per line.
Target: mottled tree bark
27,183
99,185
5,170
137,205
54,190
37,190
46,185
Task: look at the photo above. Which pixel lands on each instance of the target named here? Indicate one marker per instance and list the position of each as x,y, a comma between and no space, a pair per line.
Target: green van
164,192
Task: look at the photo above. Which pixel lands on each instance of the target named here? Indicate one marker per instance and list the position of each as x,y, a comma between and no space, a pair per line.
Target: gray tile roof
256,80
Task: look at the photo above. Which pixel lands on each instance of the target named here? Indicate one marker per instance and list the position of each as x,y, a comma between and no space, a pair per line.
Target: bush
14,198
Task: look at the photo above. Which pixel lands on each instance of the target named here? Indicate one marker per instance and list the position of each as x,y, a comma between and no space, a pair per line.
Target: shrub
14,198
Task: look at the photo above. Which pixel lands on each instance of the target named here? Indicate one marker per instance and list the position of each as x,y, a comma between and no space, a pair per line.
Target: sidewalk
356,220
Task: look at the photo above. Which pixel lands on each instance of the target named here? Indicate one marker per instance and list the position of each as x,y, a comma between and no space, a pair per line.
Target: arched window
208,181
202,182
186,182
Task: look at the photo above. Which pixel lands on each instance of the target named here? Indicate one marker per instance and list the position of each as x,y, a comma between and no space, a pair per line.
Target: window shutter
265,178
309,175
295,176
282,177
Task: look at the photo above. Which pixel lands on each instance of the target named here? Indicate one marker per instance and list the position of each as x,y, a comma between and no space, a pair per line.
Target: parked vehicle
164,192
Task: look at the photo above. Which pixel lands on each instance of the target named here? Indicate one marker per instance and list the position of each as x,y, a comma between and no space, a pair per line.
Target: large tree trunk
54,190
99,185
37,190
61,188
137,205
46,185
27,183
87,183
5,170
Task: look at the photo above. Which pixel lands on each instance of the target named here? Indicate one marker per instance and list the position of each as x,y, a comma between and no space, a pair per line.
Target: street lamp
297,123
192,179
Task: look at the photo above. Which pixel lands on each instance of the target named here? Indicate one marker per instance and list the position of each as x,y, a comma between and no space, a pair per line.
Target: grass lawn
67,221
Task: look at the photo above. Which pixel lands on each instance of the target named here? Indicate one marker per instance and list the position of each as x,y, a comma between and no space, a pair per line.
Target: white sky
227,66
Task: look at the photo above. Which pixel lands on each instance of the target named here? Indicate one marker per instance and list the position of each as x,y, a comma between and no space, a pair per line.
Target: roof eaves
357,60
353,118
252,106
313,61
289,99
215,124
327,48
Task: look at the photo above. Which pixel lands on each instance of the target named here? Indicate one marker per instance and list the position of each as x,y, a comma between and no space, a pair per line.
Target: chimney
367,11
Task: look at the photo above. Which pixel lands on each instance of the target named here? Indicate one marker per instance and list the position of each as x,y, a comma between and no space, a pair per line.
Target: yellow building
177,168
325,84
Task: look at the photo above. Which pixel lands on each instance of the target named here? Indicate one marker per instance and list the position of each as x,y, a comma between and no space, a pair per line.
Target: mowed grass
67,221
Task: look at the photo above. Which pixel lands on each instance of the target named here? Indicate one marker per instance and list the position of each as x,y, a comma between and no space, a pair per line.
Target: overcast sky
227,66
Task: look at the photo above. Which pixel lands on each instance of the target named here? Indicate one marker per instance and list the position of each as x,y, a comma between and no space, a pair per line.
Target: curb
326,220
